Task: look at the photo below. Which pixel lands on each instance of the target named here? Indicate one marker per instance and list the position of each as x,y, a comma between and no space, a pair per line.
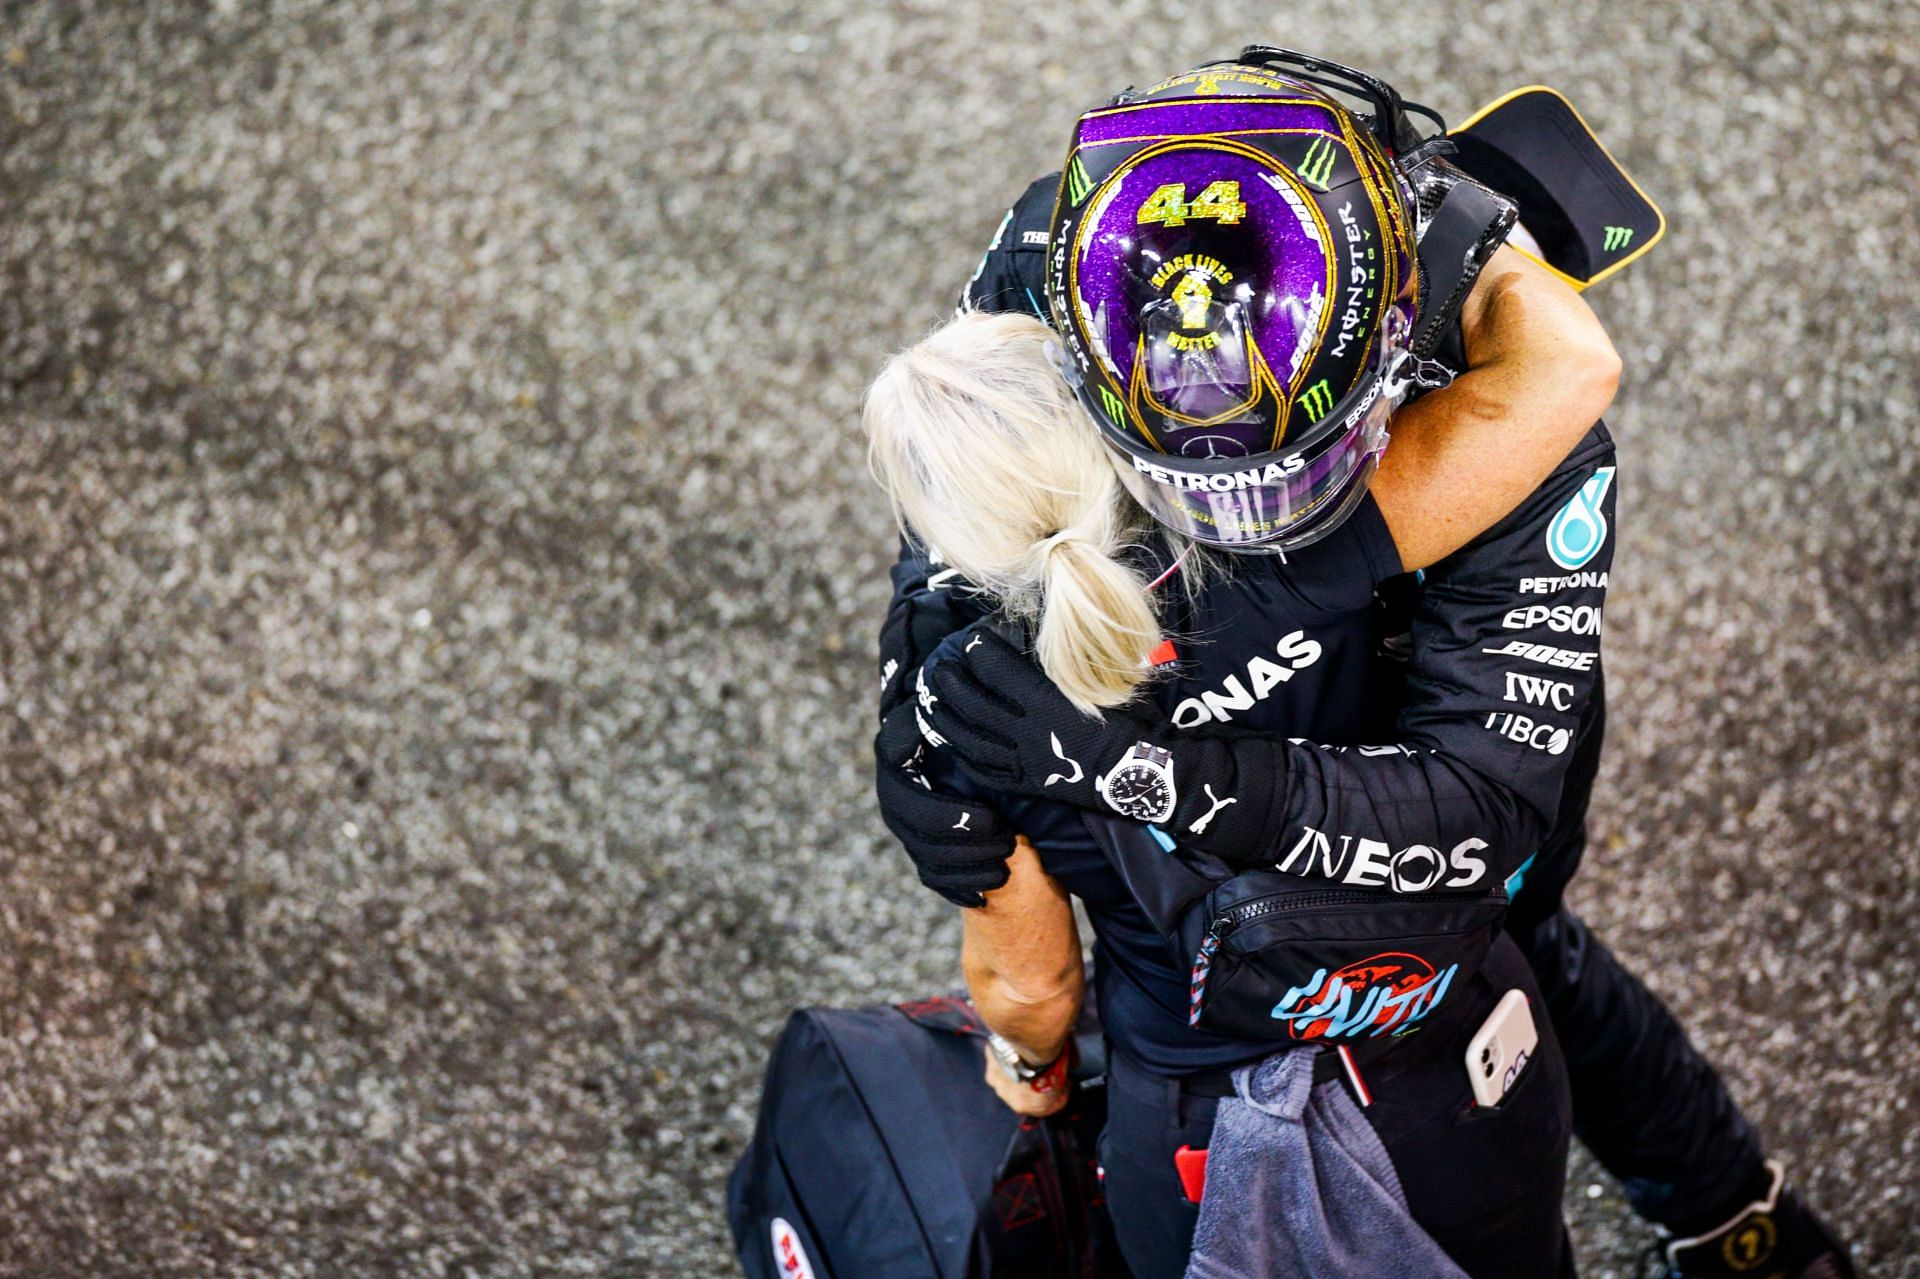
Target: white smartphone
1499,1050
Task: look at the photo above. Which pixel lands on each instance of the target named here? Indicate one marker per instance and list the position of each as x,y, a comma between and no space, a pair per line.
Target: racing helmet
1232,270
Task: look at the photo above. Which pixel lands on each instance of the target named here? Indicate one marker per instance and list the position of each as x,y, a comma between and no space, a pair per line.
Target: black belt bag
1283,958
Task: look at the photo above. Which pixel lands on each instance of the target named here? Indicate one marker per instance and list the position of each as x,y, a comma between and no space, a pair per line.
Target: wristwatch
1140,786
1042,1079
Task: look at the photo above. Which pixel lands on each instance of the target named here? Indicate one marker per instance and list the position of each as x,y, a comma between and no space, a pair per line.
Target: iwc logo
1749,1246
1140,786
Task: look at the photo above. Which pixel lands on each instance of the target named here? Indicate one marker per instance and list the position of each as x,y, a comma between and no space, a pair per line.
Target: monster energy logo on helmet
1617,237
1316,401
1316,167
1077,182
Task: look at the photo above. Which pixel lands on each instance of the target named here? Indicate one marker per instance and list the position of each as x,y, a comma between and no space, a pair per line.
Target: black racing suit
1502,716
1292,648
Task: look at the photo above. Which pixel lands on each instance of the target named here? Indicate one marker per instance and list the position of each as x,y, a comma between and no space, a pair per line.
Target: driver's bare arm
1021,956
1540,371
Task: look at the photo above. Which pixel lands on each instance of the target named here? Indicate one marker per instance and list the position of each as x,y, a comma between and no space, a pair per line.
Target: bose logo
1545,654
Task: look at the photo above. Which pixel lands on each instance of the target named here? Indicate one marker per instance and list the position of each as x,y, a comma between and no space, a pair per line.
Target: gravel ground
437,573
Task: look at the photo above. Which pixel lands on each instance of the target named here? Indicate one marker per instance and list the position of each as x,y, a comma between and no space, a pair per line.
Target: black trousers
1645,1102
1485,1183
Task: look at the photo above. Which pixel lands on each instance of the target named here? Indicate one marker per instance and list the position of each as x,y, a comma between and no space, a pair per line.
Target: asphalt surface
438,571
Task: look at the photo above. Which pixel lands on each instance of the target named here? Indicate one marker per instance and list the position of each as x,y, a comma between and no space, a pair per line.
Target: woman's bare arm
1021,956
1540,371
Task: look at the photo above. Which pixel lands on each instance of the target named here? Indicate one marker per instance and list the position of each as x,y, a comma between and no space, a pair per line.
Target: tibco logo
788,1255
1295,651
1542,737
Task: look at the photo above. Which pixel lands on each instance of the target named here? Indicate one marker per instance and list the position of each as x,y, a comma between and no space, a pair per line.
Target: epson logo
1368,863
1564,618
1295,650
1366,402
1225,481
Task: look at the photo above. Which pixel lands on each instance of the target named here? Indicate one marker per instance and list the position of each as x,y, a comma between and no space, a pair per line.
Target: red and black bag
881,1151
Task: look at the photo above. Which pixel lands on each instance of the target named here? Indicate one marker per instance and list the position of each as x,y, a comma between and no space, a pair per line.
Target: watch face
1141,791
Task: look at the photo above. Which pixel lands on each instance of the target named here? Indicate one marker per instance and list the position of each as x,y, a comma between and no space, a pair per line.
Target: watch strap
1042,1079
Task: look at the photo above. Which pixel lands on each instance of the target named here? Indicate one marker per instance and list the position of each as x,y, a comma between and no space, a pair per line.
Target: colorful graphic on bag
1383,994
787,1252
1580,529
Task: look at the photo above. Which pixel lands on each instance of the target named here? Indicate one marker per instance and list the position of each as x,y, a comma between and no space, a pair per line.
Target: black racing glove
917,621
1006,723
959,847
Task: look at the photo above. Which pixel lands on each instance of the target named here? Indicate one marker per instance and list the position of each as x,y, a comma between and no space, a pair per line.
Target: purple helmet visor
1273,500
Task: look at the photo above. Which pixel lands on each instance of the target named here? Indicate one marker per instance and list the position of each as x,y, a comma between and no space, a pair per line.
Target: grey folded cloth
1298,1185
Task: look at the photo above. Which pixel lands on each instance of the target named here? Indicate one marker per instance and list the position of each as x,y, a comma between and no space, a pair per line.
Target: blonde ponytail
987,457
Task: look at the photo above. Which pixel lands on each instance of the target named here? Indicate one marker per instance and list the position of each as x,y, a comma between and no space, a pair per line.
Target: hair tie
1059,537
